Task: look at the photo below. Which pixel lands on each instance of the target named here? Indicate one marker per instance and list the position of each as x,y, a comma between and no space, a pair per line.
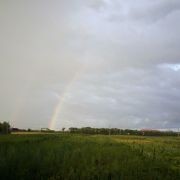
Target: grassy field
58,156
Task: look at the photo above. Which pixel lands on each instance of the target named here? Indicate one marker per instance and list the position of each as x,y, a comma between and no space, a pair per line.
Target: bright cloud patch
174,67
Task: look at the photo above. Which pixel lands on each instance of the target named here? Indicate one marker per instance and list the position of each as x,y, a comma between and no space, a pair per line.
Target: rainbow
58,107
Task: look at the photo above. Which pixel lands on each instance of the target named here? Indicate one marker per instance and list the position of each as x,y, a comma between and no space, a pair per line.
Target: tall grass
88,157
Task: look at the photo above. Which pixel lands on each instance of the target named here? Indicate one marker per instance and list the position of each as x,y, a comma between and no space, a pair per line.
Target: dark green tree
4,128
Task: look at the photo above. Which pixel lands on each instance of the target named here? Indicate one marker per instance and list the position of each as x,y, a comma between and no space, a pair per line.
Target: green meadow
70,156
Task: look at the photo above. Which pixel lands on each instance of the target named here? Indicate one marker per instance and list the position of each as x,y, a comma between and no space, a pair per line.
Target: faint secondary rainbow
60,103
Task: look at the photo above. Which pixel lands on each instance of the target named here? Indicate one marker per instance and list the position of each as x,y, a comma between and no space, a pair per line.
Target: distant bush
4,128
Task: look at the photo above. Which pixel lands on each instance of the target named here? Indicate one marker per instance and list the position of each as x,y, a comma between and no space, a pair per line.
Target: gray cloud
156,11
130,98
111,63
144,11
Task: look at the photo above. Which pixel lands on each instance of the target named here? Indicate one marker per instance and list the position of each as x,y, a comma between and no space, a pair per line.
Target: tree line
116,131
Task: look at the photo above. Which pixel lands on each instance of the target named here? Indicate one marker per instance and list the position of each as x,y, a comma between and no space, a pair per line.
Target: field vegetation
74,156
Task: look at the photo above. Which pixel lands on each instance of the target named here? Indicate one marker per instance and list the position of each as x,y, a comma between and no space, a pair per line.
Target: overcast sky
98,63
